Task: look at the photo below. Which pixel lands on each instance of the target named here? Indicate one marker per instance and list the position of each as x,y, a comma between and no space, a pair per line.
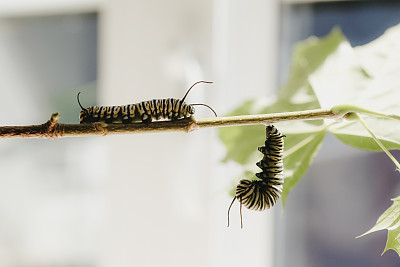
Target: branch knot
52,129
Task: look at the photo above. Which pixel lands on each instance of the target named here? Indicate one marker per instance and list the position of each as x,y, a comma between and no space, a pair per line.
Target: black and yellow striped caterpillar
262,194
145,111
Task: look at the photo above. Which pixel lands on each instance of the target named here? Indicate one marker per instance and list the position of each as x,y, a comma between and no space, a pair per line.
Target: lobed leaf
241,142
302,143
308,56
368,79
389,220
352,134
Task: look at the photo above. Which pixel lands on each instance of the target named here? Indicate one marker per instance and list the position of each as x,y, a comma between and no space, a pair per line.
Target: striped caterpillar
145,111
263,193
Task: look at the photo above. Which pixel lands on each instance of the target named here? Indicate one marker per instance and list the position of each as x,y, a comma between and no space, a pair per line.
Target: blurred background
162,199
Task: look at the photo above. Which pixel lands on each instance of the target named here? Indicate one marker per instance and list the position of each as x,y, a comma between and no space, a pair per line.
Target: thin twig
394,160
52,129
266,118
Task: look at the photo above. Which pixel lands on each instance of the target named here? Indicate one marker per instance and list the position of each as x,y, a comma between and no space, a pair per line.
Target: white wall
158,182
167,191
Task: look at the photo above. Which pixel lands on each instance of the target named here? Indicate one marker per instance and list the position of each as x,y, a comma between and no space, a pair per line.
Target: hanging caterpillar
145,111
263,193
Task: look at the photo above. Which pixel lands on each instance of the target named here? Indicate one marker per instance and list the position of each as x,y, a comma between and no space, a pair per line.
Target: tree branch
52,129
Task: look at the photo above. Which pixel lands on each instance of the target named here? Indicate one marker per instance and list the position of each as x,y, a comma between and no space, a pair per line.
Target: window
51,203
346,190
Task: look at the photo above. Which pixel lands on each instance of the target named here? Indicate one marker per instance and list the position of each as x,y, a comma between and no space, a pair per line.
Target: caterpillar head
85,115
191,110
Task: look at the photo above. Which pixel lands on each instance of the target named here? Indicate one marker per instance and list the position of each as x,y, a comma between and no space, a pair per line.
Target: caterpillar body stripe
145,111
263,193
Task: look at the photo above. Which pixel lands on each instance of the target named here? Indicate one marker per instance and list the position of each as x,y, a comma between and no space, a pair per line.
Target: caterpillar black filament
263,193
145,111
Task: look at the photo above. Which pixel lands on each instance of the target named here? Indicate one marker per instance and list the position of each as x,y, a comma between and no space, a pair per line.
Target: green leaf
369,78
341,79
389,220
302,143
308,56
241,142
352,134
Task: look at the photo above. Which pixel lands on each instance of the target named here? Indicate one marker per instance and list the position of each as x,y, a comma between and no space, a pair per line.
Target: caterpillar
145,111
263,193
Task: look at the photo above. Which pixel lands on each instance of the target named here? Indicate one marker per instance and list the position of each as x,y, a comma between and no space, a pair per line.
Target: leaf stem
377,141
348,108
266,118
